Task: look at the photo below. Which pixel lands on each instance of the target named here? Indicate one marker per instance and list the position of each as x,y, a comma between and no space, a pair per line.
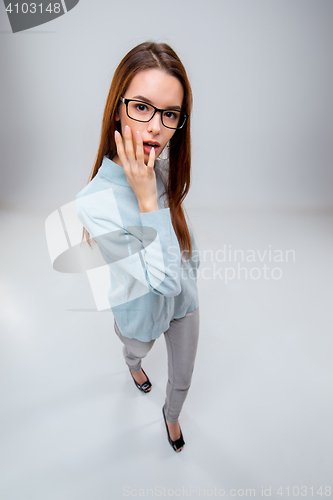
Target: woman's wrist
148,206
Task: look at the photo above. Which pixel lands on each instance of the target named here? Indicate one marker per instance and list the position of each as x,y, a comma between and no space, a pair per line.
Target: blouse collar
113,172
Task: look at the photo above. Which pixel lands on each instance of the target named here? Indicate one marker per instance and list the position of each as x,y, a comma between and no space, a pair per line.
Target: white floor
259,412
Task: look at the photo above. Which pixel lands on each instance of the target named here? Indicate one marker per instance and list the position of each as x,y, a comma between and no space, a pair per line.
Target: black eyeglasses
141,111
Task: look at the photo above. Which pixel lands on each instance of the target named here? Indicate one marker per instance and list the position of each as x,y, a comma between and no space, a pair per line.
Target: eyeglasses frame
126,101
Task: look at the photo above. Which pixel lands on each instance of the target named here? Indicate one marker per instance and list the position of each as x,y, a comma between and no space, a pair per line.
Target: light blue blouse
151,282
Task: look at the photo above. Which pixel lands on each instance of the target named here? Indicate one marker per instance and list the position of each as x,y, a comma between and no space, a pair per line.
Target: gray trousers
181,340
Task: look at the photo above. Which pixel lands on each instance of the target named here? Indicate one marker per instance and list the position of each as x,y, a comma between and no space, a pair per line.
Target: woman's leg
181,340
134,350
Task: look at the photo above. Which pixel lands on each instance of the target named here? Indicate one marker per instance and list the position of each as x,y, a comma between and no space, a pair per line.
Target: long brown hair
149,55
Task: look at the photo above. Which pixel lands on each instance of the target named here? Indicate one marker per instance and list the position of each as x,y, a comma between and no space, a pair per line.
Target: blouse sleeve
149,252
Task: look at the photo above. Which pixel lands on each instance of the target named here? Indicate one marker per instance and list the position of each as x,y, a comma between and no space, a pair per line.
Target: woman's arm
149,252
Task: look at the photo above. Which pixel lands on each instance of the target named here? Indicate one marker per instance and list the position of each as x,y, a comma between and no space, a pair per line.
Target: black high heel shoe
145,386
179,442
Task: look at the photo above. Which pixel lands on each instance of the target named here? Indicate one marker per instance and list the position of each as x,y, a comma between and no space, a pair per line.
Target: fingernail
127,129
137,134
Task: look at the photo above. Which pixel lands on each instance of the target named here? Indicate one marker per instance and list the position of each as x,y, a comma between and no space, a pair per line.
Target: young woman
132,208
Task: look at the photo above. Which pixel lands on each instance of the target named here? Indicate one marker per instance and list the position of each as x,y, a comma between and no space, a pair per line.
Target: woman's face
155,87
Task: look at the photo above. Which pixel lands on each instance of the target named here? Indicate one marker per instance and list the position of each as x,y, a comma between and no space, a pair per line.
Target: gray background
259,413
261,73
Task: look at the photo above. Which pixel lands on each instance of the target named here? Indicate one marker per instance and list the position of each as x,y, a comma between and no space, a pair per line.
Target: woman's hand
140,177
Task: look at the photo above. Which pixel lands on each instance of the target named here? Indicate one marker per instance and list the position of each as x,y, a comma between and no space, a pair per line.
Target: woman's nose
154,125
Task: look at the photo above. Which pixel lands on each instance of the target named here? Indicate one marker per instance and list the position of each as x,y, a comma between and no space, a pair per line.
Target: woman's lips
148,145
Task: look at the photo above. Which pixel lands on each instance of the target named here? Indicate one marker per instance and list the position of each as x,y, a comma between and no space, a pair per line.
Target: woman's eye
141,107
171,115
